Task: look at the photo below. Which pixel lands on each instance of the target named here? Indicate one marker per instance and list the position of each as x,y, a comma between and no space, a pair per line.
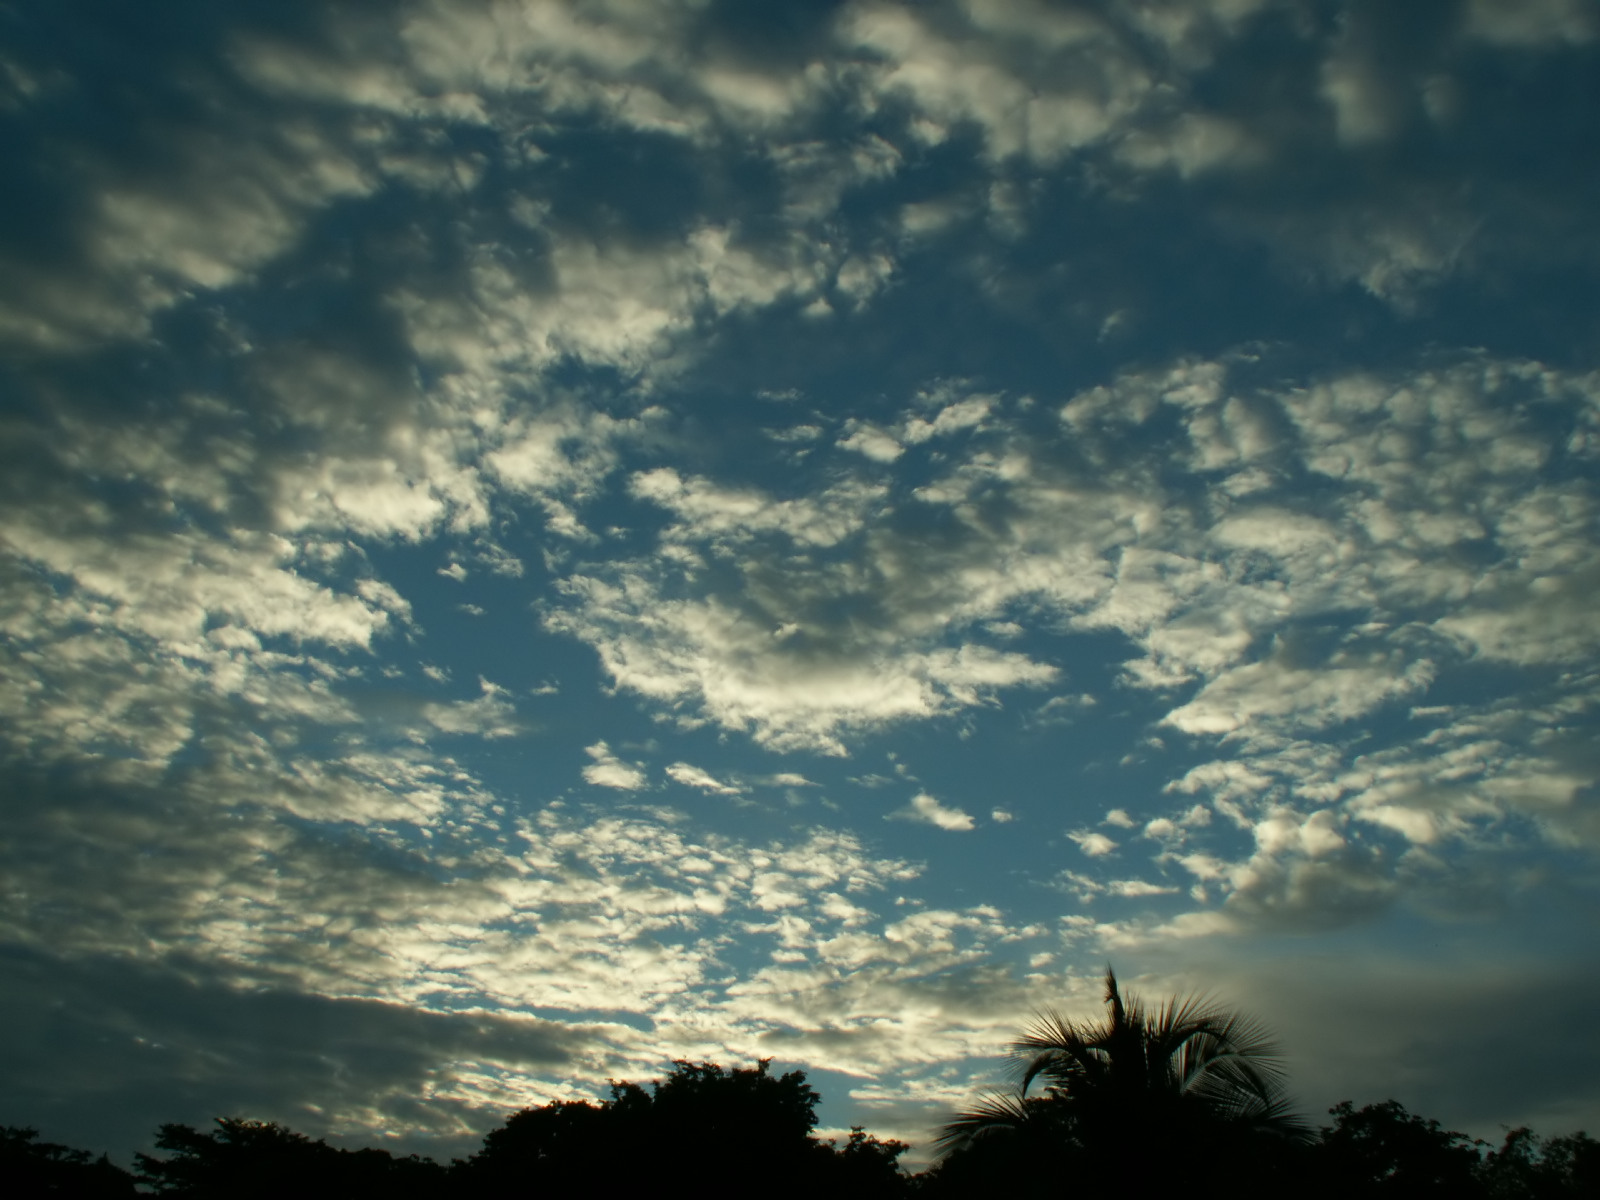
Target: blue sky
546,538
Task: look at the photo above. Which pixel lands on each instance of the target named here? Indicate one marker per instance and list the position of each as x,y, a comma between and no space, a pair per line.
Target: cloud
1191,144
1138,887
491,715
797,686
321,309
1412,1011
309,914
1005,73
134,1042
925,810
958,417
524,936
1541,23
789,779
609,771
713,513
1265,693
1095,549
1095,845
237,191
696,777
866,439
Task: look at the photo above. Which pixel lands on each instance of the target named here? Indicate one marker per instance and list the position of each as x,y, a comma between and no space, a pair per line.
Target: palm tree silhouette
1145,1095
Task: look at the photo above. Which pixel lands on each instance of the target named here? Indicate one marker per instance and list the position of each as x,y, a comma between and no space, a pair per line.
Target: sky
545,538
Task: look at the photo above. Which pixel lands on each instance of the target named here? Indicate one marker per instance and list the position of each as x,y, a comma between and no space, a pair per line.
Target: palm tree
1142,1087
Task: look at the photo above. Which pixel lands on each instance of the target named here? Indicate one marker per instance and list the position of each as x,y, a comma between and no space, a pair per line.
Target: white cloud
1192,144
169,588
1534,23
609,771
789,779
1095,845
926,810
1363,107
1077,83
867,439
235,192
1137,888
796,686
697,777
491,715
960,417
1269,694
712,512
1103,551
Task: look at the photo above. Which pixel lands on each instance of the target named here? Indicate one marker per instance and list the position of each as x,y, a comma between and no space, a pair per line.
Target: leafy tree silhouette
1095,1128
1535,1168
731,1131
1186,1095
255,1160
31,1169
1382,1150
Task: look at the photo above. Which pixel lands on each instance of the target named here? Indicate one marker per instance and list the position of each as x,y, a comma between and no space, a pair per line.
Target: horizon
545,538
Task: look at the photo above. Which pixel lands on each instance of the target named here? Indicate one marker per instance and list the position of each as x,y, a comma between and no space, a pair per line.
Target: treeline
745,1131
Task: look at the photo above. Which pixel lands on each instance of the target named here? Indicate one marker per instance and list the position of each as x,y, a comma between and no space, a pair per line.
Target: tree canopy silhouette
31,1169
1383,1152
1176,1117
729,1130
1527,1165
247,1160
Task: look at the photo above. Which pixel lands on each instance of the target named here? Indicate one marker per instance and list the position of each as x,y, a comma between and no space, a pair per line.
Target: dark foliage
1384,1151
1091,1132
1186,1096
732,1131
255,1160
1528,1167
30,1169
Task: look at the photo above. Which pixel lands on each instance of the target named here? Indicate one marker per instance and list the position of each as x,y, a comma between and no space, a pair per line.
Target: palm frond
996,1114
1063,1052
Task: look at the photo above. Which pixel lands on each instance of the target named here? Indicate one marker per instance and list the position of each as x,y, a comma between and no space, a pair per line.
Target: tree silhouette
1527,1165
730,1131
1382,1150
1185,1094
31,1169
247,1160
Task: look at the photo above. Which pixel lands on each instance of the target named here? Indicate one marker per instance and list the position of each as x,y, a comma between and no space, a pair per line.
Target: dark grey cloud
1477,1040
99,1051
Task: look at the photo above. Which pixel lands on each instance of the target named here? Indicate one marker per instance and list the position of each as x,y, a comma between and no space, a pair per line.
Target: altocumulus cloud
925,809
